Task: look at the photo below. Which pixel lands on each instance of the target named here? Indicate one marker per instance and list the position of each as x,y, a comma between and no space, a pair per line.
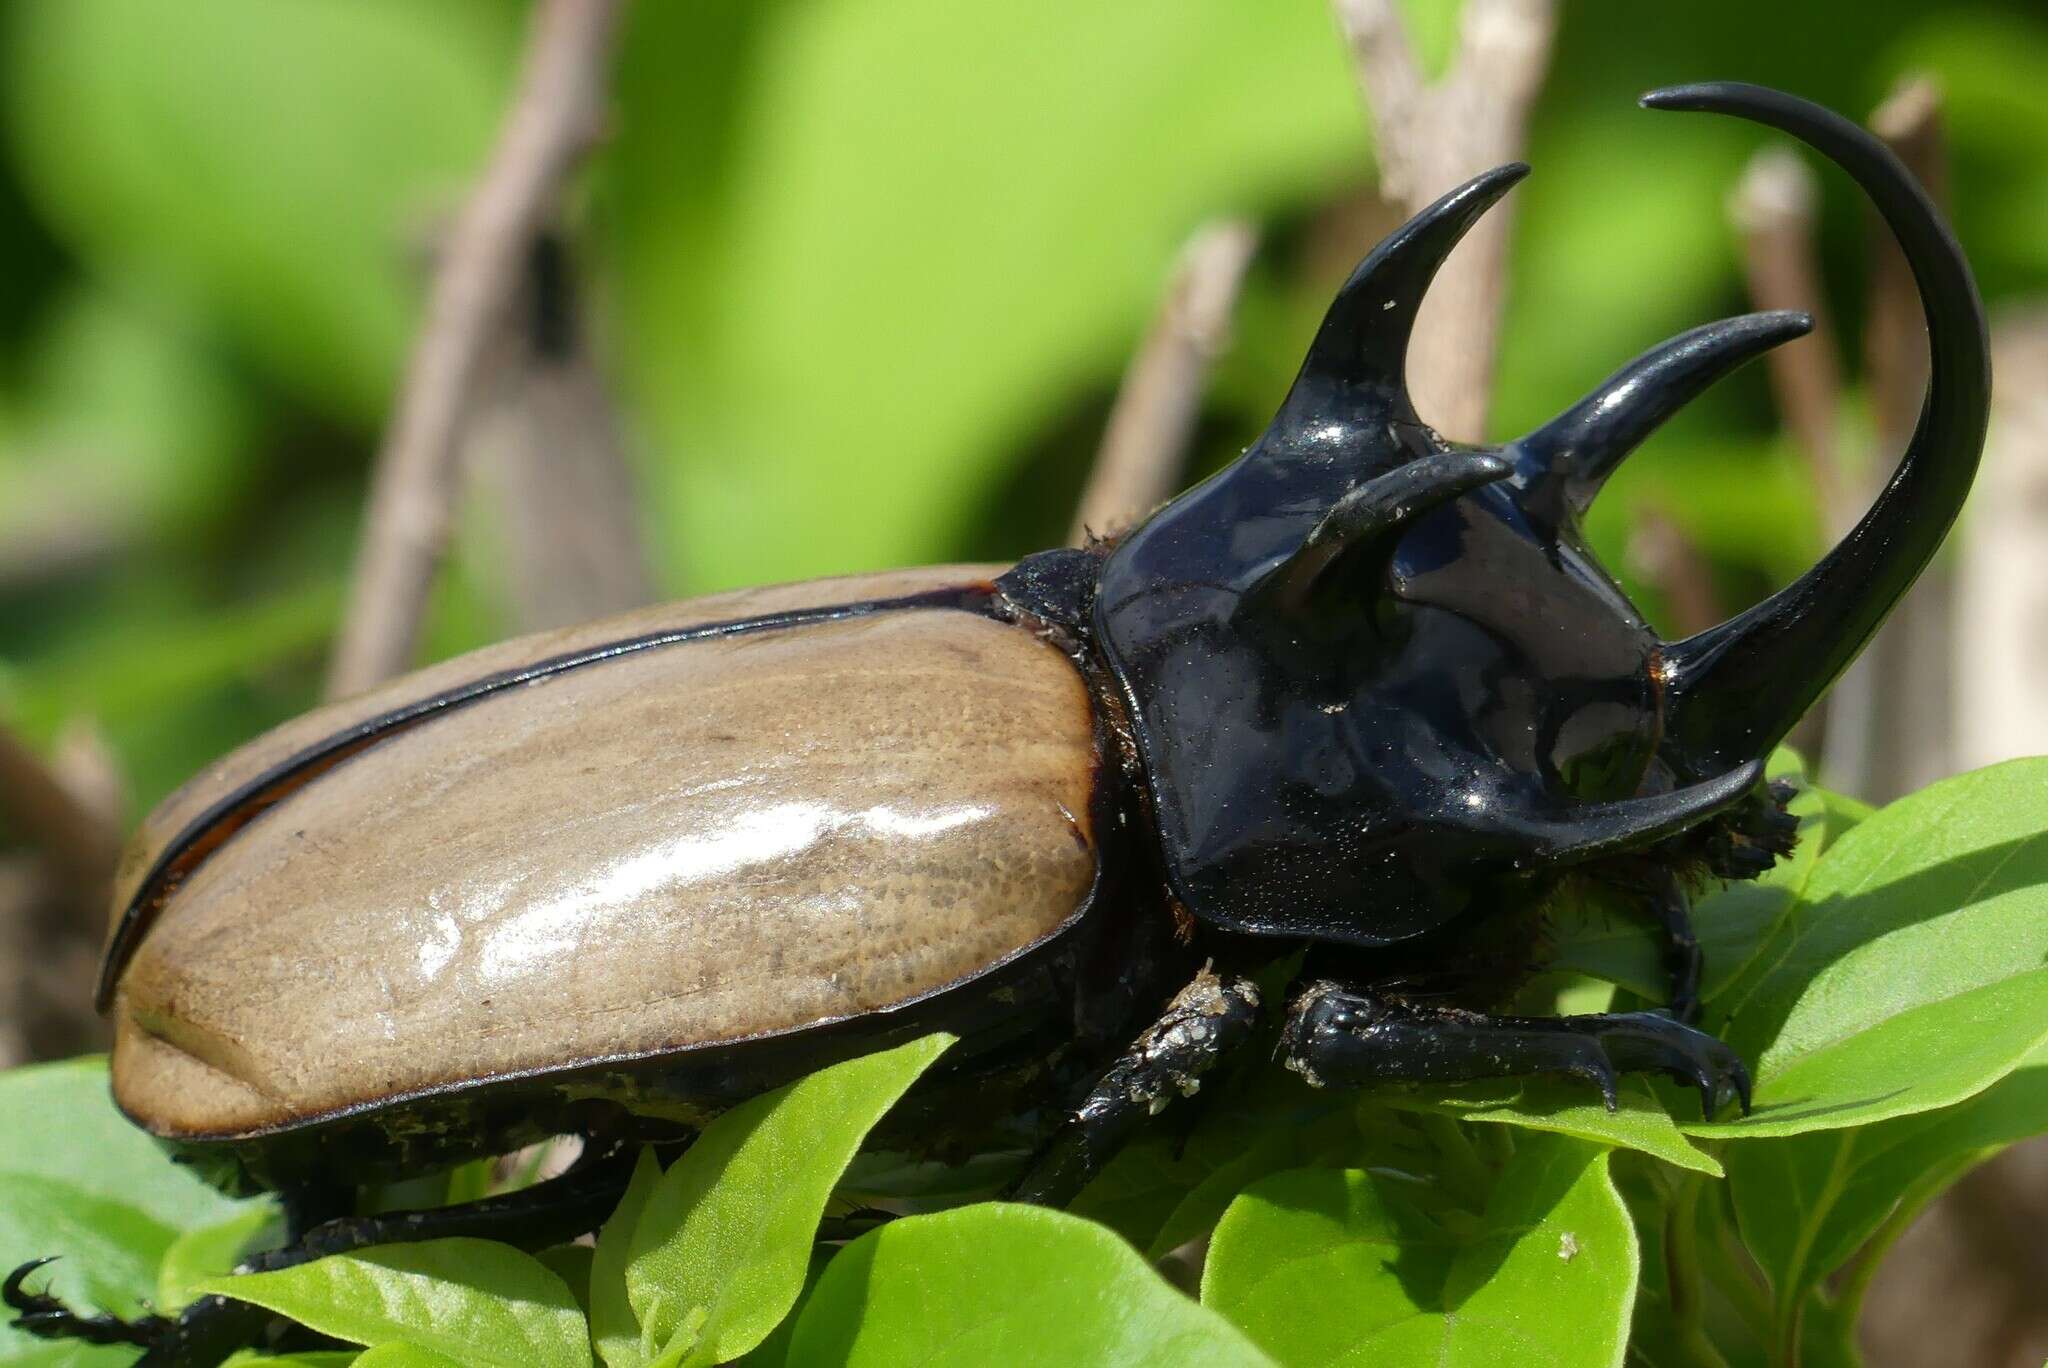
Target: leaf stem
1461,1161
1682,1283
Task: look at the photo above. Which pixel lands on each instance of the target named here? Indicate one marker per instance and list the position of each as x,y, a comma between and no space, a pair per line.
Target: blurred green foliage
864,273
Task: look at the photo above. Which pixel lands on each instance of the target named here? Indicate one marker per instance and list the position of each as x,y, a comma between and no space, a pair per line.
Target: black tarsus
42,1315
1335,1034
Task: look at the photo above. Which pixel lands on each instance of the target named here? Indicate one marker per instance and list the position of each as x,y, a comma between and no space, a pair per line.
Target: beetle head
1371,670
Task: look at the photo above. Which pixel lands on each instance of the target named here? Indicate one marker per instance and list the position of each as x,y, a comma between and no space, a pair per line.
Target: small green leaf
1567,1107
58,1121
312,1358
208,1252
1000,1283
719,1253
1808,1203
1911,974
1341,1266
476,1301
613,1326
399,1354
572,1264
1332,1139
106,1251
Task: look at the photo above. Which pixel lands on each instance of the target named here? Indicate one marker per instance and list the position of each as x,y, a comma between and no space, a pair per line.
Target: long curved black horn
1364,337
1562,464
1734,690
1363,528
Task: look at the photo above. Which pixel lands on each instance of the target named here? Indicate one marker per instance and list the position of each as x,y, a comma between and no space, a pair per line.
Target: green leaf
107,1252
613,1325
1911,974
1332,1139
1342,1266
719,1253
101,1152
224,149
817,189
571,1263
1808,1203
1001,1283
78,1181
399,1354
208,1252
1566,1107
773,1352
312,1358
476,1301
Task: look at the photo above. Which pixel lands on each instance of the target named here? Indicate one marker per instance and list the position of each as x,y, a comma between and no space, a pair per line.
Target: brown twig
1671,562
53,898
1145,443
553,119
71,828
1888,718
545,444
2001,572
1773,209
1431,136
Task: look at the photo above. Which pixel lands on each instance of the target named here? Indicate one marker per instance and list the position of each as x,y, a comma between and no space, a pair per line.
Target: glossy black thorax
1359,776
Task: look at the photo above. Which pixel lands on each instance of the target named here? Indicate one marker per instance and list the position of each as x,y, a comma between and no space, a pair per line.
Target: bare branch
66,821
1145,444
1889,729
1895,343
1430,138
1662,554
1773,209
2001,573
553,119
546,447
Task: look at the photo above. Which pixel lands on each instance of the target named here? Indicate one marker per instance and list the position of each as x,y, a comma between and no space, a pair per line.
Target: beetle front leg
1335,1034
1205,1021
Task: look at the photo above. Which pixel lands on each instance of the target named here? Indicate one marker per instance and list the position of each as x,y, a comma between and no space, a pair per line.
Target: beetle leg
42,1315
1338,1035
547,1213
1672,910
1657,890
1205,1021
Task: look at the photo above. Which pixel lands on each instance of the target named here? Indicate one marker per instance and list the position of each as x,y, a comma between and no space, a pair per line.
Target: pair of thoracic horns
1734,690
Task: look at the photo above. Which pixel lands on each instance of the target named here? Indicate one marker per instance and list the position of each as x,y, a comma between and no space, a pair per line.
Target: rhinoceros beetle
1365,697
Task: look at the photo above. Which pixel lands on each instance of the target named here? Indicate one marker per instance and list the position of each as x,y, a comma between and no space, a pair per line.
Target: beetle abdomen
722,839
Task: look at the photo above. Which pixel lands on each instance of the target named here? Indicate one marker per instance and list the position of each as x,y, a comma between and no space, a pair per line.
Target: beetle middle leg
1205,1021
1347,1036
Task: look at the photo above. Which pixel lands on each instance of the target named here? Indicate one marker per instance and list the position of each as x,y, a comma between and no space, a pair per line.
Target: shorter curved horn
1591,830
1362,529
1562,464
1364,337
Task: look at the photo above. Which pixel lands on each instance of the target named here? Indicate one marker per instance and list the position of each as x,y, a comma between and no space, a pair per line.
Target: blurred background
852,284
